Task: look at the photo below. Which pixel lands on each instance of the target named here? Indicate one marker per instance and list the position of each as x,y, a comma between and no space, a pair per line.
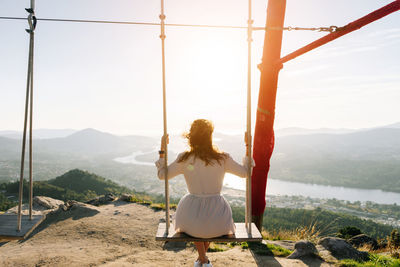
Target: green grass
374,261
145,200
309,232
279,251
215,248
161,206
244,245
233,244
266,249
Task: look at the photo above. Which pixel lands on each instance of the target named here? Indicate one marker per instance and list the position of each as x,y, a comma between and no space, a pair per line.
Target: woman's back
204,212
203,179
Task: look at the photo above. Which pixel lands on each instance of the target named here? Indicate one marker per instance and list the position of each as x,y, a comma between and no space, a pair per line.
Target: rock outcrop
102,200
362,240
125,197
41,205
303,248
333,249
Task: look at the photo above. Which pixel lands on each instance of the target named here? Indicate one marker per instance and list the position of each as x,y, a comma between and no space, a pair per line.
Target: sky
108,77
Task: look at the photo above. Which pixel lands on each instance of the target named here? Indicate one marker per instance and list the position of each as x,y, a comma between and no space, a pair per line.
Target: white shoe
197,264
207,264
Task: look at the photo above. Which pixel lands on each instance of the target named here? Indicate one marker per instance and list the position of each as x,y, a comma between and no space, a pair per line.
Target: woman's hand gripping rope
164,142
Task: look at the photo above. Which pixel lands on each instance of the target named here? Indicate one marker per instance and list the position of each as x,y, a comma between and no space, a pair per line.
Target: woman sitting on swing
203,212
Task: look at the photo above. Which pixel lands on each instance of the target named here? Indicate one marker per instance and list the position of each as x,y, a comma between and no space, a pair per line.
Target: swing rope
28,109
248,120
248,218
162,37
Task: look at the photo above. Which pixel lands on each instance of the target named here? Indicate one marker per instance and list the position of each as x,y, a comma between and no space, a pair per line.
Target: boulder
40,205
303,248
125,197
76,205
333,248
47,202
101,200
362,239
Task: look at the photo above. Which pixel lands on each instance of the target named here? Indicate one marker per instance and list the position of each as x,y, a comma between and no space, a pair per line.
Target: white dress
203,212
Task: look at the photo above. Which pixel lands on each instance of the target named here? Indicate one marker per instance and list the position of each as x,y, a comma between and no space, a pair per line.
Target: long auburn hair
200,142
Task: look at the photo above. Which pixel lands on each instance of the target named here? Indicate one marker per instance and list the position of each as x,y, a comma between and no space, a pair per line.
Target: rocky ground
118,234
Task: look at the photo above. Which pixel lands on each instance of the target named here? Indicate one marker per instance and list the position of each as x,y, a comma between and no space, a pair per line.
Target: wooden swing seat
241,235
8,229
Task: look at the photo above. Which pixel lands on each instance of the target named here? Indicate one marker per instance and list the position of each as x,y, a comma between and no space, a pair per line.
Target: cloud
393,77
384,32
307,70
393,36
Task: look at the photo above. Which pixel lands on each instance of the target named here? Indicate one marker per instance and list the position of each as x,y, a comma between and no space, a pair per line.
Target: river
279,187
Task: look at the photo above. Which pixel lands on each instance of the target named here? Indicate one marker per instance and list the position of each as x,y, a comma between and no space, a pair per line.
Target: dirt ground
117,234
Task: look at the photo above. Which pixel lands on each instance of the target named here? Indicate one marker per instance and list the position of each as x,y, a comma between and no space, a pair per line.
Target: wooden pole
264,134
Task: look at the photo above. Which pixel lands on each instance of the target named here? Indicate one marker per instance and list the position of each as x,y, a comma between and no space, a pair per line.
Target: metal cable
289,28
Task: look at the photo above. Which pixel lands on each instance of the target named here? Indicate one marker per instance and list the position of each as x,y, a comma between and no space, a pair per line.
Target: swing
246,231
25,224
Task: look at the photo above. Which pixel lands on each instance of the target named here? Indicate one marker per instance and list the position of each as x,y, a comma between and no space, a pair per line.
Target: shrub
348,232
394,240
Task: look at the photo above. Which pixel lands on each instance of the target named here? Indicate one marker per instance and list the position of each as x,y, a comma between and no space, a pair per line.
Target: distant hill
365,159
73,185
377,144
393,125
304,131
368,158
362,159
83,181
84,143
39,133
9,148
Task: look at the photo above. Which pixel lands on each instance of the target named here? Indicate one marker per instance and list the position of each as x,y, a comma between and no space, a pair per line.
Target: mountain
39,133
84,143
367,158
303,131
9,148
393,125
364,159
11,134
376,144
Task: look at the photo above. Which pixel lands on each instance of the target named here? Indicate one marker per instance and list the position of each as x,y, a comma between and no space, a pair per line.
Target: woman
204,212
